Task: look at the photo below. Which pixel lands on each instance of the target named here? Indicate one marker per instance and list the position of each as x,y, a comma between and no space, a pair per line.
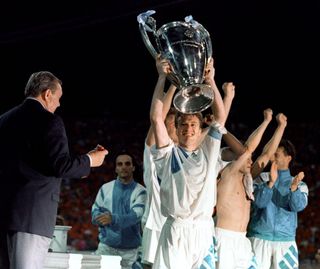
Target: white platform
56,260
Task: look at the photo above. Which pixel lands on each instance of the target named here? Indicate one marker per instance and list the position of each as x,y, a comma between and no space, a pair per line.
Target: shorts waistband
200,222
230,233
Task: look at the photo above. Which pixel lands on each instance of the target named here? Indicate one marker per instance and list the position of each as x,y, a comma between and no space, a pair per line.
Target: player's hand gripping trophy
187,46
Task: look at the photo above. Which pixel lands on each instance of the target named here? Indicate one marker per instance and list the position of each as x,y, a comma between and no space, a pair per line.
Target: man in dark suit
34,157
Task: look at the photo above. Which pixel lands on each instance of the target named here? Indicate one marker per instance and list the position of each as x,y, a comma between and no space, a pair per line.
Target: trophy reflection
187,46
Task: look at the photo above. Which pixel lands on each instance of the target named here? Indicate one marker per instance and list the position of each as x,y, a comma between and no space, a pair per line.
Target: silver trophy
187,46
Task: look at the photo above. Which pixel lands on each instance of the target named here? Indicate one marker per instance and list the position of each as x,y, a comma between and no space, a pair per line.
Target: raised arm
167,100
156,117
217,105
271,147
229,93
235,145
228,96
255,138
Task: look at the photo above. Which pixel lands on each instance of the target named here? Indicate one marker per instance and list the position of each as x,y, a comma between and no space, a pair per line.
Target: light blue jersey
274,211
273,223
126,203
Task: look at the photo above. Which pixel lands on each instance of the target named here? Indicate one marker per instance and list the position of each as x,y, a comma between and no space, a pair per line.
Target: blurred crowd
115,134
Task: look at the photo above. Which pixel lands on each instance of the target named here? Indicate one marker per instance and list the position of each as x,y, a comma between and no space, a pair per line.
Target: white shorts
234,250
150,239
187,245
275,254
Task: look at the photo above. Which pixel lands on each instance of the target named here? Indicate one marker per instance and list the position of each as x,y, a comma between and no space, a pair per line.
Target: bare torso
233,207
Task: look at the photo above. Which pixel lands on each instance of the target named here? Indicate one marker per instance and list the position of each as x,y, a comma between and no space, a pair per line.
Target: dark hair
288,149
138,172
39,82
124,152
180,116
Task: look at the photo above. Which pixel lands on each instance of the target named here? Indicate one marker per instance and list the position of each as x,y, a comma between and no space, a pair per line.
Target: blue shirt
274,211
126,203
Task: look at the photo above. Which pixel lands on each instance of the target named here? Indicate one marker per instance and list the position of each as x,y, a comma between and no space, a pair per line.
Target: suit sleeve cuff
90,159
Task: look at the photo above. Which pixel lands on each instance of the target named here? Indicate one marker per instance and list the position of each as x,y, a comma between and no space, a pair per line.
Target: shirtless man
233,205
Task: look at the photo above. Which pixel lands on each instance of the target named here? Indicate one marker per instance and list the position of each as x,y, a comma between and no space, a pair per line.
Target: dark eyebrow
126,163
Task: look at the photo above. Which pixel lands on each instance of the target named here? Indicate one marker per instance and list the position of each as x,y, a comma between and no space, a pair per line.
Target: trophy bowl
187,46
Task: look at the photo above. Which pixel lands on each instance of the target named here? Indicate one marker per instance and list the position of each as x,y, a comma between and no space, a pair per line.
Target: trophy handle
205,34
147,23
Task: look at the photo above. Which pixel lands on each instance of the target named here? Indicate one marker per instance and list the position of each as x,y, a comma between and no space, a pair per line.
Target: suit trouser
27,251
4,258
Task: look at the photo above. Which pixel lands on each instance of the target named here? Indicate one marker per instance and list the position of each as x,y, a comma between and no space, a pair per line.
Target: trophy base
193,99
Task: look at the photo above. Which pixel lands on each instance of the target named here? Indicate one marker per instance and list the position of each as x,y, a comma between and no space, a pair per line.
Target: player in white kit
153,220
188,174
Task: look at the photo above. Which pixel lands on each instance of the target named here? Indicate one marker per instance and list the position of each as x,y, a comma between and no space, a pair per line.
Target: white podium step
57,260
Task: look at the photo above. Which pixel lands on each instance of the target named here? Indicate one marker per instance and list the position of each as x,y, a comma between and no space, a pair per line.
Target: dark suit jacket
34,157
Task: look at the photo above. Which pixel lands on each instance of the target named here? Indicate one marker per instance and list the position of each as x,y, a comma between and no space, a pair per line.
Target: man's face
189,129
281,159
124,167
